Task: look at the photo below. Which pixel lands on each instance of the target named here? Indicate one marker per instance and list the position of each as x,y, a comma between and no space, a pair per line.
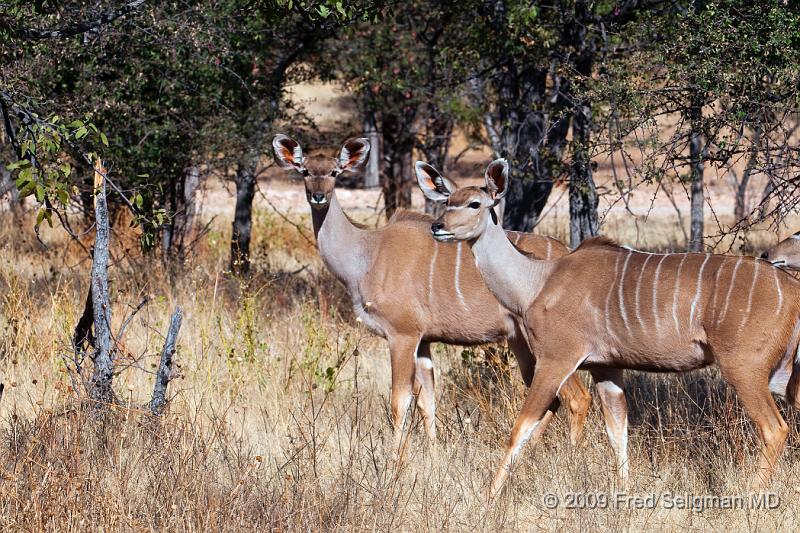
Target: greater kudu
412,290
606,307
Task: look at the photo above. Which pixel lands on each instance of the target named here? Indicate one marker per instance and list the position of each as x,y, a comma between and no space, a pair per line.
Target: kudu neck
342,245
514,279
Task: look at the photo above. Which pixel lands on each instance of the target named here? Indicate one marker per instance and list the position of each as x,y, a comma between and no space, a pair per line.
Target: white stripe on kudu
639,286
730,290
675,293
549,248
750,293
458,273
656,314
432,270
622,294
608,296
716,285
698,289
780,292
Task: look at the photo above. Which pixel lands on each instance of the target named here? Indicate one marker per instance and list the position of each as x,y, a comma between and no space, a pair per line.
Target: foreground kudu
785,254
618,308
412,290
609,381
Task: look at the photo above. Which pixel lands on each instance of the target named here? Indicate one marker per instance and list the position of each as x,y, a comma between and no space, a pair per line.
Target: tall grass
280,420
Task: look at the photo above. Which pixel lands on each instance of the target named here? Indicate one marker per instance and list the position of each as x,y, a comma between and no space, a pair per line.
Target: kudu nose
436,226
318,197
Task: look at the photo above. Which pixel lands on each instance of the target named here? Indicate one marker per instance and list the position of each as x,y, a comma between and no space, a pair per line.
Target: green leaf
81,132
103,138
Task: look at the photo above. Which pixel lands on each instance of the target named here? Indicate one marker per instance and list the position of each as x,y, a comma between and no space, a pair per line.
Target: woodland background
669,125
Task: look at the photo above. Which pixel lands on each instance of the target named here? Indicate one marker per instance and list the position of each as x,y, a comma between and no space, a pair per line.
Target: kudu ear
434,186
354,154
288,153
497,179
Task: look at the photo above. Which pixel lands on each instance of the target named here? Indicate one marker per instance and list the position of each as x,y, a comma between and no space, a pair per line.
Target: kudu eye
474,205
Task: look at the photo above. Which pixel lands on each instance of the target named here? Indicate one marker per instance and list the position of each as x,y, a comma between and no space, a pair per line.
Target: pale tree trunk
696,156
178,233
100,389
165,374
372,174
7,185
245,181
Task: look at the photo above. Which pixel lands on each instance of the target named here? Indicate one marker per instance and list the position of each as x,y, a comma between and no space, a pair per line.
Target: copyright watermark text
663,500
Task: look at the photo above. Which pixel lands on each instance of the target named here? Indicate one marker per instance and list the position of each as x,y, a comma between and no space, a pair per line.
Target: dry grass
280,417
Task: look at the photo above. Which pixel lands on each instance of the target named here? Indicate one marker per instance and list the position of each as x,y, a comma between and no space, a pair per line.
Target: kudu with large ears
411,290
609,308
468,211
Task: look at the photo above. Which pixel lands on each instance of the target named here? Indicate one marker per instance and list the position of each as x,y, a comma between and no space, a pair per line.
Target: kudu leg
402,351
573,393
424,388
757,400
539,406
615,412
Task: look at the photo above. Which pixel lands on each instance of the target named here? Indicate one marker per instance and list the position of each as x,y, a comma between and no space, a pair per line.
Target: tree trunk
741,189
696,155
398,171
86,179
245,180
7,186
179,231
372,174
435,146
101,383
527,124
164,374
531,139
583,221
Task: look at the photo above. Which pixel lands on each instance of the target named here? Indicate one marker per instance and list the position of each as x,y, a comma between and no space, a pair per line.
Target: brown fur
410,216
600,241
398,294
619,308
